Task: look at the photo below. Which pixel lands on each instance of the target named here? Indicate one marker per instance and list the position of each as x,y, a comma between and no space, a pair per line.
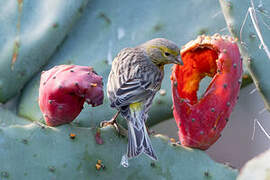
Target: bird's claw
109,123
120,130
106,123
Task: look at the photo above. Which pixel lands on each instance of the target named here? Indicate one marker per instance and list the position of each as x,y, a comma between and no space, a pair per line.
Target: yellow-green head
162,51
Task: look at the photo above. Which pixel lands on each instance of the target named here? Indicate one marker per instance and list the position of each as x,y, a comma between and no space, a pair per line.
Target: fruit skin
64,89
200,122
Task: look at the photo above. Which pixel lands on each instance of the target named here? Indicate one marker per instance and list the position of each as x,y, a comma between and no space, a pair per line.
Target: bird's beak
178,60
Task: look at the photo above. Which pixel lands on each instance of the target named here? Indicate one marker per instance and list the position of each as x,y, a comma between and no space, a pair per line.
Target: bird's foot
120,129
111,122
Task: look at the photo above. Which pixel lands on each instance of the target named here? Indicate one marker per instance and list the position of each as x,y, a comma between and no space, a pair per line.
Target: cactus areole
200,121
64,89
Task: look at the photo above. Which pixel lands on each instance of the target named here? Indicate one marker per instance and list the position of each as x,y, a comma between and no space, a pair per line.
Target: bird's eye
167,54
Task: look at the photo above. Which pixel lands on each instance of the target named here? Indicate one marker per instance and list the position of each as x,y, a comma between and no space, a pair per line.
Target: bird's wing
133,78
133,90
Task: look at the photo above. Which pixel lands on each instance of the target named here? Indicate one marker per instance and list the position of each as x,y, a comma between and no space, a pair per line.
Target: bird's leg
110,122
121,130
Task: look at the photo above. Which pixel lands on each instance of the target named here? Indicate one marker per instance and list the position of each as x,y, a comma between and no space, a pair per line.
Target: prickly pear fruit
200,121
64,89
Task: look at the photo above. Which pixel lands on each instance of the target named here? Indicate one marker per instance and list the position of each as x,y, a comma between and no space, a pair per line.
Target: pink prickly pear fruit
200,121
64,89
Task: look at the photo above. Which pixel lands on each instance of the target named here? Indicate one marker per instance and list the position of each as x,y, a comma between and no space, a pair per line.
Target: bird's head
162,51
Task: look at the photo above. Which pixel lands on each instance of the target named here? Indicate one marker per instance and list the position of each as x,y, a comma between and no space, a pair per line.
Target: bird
135,77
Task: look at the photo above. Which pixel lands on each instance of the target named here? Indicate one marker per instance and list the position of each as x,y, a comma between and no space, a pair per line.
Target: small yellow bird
135,78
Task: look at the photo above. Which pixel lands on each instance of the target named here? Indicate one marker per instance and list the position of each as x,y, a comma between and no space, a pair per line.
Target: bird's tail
138,142
138,139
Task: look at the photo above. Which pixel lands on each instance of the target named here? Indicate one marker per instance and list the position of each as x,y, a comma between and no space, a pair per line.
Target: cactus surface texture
35,151
31,31
257,168
248,21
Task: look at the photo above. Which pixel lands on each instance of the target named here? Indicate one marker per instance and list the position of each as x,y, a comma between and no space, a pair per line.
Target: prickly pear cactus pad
249,22
257,168
30,32
32,151
106,27
64,89
201,120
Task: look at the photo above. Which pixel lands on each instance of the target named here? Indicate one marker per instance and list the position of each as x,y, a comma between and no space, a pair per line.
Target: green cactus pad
30,32
255,58
31,151
108,26
257,168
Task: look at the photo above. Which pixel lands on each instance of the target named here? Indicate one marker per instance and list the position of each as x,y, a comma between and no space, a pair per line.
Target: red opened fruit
64,89
200,121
